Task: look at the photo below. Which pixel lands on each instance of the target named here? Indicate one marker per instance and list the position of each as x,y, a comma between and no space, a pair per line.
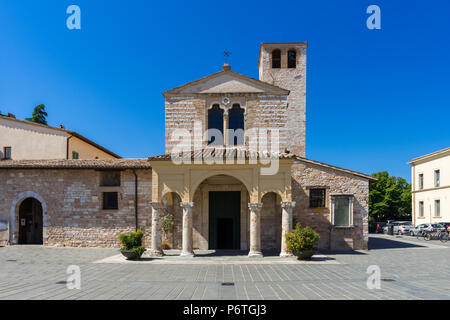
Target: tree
389,198
39,115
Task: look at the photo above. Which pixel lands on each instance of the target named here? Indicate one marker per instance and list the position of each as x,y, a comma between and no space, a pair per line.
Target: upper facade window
292,59
236,125
75,155
276,59
110,179
215,125
437,178
7,153
421,181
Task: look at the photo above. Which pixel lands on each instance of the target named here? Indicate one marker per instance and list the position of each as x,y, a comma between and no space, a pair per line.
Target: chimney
11,115
226,67
62,126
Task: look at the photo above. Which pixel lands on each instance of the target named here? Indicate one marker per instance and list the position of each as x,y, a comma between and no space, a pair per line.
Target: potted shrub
165,245
132,244
302,242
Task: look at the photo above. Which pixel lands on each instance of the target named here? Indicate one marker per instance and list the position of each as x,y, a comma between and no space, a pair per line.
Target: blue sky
375,98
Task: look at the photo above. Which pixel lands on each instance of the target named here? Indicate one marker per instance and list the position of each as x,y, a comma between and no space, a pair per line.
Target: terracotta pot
305,255
130,255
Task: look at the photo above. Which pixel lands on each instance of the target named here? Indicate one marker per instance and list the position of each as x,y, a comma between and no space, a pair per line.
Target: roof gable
226,82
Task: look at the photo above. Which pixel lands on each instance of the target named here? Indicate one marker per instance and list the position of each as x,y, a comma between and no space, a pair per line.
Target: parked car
446,225
376,227
400,227
425,227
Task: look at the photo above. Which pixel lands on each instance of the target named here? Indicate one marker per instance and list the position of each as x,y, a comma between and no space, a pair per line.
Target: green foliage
389,198
132,241
302,239
39,115
167,223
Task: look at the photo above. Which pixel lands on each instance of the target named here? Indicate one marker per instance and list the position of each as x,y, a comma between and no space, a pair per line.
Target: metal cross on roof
226,54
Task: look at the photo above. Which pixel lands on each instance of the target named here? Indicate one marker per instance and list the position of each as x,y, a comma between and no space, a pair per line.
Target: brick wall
293,80
305,175
73,200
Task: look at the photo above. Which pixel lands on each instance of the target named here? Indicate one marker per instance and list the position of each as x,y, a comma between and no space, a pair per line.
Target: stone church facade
234,176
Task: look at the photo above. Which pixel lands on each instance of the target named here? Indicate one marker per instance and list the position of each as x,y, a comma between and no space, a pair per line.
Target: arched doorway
30,222
220,213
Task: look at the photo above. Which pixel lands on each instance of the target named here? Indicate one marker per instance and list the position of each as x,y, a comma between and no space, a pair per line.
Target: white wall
430,193
28,141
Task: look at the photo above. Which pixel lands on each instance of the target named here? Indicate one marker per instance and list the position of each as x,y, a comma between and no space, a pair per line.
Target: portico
197,185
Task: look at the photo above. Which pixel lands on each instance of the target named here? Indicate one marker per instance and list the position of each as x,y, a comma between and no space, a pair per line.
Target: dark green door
224,219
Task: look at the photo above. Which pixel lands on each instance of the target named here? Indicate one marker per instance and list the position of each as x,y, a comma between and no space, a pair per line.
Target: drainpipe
67,148
135,199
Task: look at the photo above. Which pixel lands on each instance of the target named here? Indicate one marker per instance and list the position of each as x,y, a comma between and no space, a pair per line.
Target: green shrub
302,239
132,241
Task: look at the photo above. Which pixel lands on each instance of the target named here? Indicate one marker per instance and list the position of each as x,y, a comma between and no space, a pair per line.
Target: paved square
419,270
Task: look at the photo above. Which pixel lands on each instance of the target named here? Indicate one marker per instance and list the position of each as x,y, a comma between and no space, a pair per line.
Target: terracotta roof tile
76,164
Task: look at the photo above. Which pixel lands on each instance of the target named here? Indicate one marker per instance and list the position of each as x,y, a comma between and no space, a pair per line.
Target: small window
317,198
421,181
75,155
110,201
437,178
276,59
437,208
342,209
110,178
421,209
292,59
7,153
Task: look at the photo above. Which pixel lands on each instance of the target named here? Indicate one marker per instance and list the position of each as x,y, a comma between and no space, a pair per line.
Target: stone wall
305,175
293,79
73,205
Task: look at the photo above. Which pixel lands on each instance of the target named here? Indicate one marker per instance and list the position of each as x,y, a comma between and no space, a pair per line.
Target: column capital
255,205
186,205
287,204
156,205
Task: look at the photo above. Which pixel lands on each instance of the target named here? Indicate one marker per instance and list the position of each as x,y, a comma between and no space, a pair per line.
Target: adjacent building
430,177
26,140
223,180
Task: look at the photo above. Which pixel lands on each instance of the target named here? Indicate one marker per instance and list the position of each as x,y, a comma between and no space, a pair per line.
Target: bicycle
433,235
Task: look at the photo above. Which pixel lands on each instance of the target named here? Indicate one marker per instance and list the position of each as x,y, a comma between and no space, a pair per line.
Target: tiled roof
76,164
226,153
243,153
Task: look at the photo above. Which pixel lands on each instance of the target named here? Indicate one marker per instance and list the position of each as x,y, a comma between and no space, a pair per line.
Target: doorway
30,222
224,219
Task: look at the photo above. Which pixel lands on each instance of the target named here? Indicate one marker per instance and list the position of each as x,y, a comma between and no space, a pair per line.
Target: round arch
15,206
278,192
207,175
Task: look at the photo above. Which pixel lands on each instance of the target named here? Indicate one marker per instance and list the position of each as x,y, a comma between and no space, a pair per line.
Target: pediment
226,82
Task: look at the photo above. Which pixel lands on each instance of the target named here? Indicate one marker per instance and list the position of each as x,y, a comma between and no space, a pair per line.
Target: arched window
215,125
292,58
236,125
276,58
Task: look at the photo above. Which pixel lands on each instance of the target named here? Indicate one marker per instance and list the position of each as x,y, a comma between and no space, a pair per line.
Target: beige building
22,140
430,177
234,175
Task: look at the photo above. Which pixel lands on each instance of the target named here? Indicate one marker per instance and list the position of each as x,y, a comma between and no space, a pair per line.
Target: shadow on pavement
382,243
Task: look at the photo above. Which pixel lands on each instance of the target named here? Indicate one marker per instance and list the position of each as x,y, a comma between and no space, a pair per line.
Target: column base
286,254
255,254
155,253
187,254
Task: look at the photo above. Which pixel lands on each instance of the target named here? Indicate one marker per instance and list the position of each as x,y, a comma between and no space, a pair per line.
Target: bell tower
284,65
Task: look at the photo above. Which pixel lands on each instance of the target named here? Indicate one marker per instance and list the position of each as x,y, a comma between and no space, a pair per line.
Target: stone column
225,128
187,230
156,249
286,225
255,229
